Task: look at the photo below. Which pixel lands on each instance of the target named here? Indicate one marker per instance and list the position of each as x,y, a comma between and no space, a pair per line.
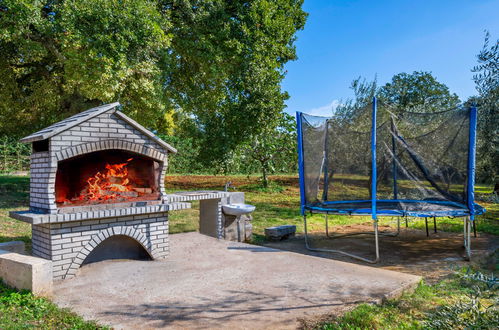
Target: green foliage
215,65
418,90
477,309
226,67
487,83
185,161
61,57
14,156
273,149
20,309
462,302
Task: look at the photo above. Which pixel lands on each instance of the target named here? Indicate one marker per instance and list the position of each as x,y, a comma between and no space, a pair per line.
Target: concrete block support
210,217
26,272
68,244
214,223
238,229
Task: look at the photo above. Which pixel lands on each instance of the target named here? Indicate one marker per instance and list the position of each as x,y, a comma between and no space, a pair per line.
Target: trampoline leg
435,224
467,238
474,227
342,252
398,226
327,226
376,240
426,223
406,223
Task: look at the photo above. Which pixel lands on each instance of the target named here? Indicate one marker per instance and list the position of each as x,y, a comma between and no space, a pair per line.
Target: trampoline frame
468,217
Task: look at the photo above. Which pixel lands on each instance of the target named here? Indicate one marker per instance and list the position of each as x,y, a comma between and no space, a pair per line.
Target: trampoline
380,160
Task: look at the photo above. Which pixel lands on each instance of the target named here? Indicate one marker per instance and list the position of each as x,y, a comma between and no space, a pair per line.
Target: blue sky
346,39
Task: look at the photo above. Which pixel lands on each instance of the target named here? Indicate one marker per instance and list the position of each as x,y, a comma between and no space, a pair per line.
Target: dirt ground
410,252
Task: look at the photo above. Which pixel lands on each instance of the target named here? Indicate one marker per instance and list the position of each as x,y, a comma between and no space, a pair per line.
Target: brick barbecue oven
97,190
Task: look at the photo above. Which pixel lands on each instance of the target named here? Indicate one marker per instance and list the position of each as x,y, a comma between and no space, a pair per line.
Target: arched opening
117,247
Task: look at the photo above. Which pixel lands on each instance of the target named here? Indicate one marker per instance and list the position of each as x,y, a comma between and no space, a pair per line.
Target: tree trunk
265,181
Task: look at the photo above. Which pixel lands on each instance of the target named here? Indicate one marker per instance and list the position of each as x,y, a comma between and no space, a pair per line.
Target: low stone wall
68,244
26,272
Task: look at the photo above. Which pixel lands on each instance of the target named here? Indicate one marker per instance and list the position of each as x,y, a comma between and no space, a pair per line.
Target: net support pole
325,162
471,163
301,174
374,178
394,160
373,161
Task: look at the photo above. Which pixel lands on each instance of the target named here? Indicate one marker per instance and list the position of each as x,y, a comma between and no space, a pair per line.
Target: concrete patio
207,283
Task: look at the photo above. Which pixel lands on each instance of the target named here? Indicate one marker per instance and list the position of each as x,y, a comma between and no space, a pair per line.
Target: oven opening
105,177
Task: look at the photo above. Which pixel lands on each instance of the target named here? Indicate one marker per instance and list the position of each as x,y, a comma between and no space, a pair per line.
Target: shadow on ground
410,252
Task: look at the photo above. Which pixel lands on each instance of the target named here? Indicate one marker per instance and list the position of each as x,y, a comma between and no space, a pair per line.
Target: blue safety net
422,161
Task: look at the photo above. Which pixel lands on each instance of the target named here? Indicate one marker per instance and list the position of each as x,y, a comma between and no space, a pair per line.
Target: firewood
143,190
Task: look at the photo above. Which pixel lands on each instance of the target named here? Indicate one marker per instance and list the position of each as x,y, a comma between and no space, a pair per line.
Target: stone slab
213,284
26,272
13,246
41,218
183,196
280,232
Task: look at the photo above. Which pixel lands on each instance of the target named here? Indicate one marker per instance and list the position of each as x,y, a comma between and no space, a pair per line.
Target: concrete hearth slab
207,283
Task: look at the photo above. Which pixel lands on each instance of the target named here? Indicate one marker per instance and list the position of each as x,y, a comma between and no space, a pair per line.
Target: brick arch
103,235
89,147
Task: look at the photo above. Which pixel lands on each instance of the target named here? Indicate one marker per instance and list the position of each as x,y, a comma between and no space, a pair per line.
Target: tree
419,90
487,84
61,57
218,63
274,147
226,67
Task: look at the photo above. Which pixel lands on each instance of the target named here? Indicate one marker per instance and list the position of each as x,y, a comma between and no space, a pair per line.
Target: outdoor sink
237,209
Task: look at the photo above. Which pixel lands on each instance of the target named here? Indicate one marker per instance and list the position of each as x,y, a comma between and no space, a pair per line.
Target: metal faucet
228,185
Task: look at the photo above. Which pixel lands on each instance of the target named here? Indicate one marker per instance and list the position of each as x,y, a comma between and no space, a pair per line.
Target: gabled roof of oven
81,117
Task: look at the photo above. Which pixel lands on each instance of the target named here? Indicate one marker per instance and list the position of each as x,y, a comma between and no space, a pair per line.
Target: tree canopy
419,89
227,65
217,64
61,57
487,83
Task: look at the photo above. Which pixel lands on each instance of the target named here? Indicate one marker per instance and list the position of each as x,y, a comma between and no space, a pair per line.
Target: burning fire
111,184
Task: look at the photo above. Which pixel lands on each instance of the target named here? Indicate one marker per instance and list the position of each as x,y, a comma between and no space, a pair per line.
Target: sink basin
237,209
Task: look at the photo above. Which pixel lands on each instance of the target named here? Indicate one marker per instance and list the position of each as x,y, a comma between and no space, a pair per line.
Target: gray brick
81,238
72,245
63,251
73,234
61,241
103,226
62,231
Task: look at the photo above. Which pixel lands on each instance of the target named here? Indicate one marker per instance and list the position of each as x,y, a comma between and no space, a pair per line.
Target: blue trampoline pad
400,208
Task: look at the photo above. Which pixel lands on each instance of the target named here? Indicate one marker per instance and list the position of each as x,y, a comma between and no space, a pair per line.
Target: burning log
129,194
143,190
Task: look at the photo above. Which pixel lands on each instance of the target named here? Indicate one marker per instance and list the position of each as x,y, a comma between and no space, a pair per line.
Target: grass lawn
466,300
21,310
279,204
276,205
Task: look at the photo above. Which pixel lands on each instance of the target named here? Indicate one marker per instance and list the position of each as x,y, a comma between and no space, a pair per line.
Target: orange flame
108,185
